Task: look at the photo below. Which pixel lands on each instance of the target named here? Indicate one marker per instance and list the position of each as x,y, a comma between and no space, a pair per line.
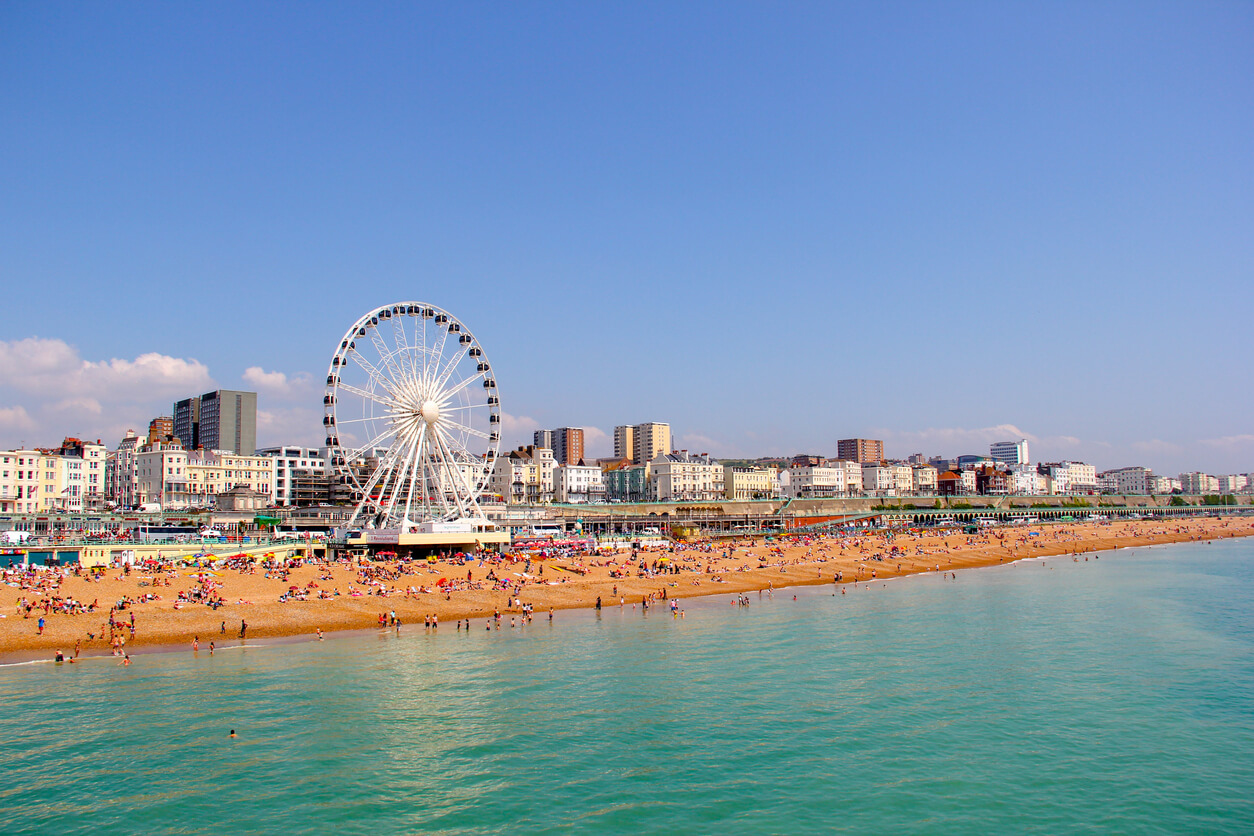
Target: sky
770,225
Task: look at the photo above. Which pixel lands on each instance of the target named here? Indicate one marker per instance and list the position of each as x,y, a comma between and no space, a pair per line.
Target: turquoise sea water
1115,695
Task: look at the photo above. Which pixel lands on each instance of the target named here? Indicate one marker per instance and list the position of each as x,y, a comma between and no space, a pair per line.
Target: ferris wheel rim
416,404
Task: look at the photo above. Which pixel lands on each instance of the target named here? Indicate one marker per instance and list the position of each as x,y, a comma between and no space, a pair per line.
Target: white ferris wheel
412,417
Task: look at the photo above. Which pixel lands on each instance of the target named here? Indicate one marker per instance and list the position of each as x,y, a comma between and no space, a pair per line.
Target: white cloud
278,384
1156,446
291,425
697,443
597,443
263,380
64,394
54,369
79,405
516,430
15,418
949,441
1229,441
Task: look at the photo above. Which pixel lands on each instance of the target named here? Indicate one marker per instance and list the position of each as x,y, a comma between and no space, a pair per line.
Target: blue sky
772,225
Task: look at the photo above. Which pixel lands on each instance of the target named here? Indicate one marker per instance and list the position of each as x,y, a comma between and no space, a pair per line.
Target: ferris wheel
412,417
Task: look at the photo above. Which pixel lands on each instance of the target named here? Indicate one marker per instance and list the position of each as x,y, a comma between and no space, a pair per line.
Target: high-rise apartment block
642,443
186,424
861,450
652,440
624,442
565,442
222,420
1009,452
568,445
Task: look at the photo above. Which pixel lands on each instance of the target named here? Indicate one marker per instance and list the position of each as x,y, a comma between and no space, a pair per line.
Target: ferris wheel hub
430,411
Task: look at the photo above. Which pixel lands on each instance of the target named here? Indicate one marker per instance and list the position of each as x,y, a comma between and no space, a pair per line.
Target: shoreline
806,561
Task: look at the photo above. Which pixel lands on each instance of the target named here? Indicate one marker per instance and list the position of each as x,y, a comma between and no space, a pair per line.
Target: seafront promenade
172,604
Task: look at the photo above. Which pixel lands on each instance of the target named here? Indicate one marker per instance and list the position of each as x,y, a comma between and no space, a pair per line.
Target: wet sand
566,582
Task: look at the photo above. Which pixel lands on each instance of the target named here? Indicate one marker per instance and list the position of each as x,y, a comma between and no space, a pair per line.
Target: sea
1108,695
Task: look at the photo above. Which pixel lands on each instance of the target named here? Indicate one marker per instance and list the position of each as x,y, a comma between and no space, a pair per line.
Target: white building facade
877,480
1073,477
685,477
1126,481
1233,483
291,462
213,472
924,478
746,483
1198,483
578,483
1026,481
814,481
524,476
161,475
1009,452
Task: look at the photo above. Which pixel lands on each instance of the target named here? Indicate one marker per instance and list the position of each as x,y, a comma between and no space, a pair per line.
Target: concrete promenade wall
862,505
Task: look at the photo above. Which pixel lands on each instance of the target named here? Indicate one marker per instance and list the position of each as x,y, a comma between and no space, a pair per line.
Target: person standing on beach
243,628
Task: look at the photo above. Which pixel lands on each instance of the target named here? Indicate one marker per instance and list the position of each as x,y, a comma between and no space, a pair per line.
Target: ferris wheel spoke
463,461
471,472
340,423
379,474
447,371
375,374
413,468
389,488
428,476
439,470
451,471
405,355
385,354
444,396
464,428
401,474
357,453
444,409
420,339
437,352
363,393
